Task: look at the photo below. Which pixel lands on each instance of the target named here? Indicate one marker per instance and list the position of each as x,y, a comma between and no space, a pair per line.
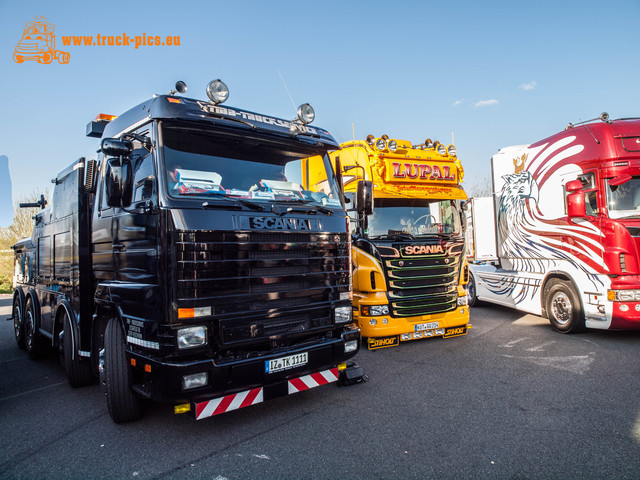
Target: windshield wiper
394,234
235,202
312,208
232,119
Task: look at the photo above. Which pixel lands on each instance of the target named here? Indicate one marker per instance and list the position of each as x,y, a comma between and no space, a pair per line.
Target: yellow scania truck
408,221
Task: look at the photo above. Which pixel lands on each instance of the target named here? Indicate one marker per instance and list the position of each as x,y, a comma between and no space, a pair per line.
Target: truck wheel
471,291
18,58
46,58
122,403
63,57
33,343
563,307
79,371
18,321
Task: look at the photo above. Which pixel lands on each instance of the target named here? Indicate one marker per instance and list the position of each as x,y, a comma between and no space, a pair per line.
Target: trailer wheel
472,298
563,307
18,321
33,343
79,371
123,405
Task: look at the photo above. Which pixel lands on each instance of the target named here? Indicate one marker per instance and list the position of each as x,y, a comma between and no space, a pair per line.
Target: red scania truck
567,228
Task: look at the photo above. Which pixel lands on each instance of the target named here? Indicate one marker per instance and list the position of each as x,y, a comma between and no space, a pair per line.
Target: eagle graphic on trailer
564,247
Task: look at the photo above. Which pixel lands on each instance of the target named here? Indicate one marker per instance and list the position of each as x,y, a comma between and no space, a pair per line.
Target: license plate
285,363
426,326
455,331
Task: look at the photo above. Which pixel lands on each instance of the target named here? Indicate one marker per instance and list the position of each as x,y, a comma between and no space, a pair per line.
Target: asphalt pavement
510,400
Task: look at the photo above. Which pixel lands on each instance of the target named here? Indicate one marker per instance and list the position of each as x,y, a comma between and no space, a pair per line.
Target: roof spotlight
393,145
428,143
385,137
371,140
451,150
381,144
441,149
217,91
306,114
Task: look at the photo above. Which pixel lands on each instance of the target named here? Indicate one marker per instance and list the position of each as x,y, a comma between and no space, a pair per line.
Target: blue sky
492,73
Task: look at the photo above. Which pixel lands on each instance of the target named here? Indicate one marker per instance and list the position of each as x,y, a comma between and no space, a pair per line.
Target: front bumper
162,380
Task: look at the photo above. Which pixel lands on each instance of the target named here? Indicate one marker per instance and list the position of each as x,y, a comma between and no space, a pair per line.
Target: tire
79,371
123,405
33,342
47,58
18,321
63,57
563,307
472,298
18,58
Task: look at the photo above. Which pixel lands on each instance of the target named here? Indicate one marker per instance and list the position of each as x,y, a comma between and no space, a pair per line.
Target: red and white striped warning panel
255,395
314,380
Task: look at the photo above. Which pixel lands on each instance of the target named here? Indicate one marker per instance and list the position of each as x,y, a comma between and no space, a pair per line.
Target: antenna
287,90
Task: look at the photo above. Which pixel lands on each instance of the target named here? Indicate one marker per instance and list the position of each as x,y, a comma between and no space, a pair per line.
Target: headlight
192,337
442,150
343,314
381,144
451,150
463,300
350,346
623,295
194,381
393,146
217,91
379,309
306,114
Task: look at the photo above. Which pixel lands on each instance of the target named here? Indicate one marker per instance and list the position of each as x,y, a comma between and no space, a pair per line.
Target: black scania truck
196,261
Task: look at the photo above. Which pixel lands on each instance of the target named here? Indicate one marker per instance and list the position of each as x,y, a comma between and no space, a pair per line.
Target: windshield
202,163
416,217
623,200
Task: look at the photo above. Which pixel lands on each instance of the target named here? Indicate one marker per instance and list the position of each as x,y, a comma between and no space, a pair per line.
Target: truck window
623,201
588,181
144,175
197,163
414,216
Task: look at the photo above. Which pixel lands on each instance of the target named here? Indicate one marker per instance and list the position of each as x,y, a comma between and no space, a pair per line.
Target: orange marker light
147,368
133,362
104,117
174,100
186,313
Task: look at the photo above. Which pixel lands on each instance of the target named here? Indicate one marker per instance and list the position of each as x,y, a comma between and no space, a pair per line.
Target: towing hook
351,375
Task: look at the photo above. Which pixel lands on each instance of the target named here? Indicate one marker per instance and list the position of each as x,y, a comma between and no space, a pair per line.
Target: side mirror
576,206
338,171
112,147
118,176
117,182
365,197
573,186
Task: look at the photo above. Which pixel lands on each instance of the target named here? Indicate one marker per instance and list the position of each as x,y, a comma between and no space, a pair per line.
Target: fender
20,294
559,274
33,295
73,319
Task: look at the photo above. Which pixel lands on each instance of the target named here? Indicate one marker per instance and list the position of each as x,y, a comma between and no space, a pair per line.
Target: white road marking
540,348
512,343
635,431
572,363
